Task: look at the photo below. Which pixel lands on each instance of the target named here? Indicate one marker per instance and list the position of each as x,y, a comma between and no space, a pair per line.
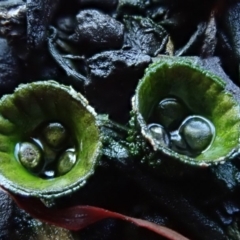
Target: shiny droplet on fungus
198,132
170,112
159,133
55,134
178,144
49,141
29,155
66,162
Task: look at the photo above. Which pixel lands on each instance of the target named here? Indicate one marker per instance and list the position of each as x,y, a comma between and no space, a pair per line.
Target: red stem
79,217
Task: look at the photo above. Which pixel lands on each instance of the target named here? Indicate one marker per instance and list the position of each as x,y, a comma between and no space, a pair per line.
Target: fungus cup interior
22,112
203,93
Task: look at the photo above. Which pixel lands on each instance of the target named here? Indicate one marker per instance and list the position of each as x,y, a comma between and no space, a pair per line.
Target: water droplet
55,134
29,155
159,134
49,174
170,112
177,142
66,161
198,132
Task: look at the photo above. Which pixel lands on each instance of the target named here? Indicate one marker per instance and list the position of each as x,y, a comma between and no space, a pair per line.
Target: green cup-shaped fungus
210,127
22,115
